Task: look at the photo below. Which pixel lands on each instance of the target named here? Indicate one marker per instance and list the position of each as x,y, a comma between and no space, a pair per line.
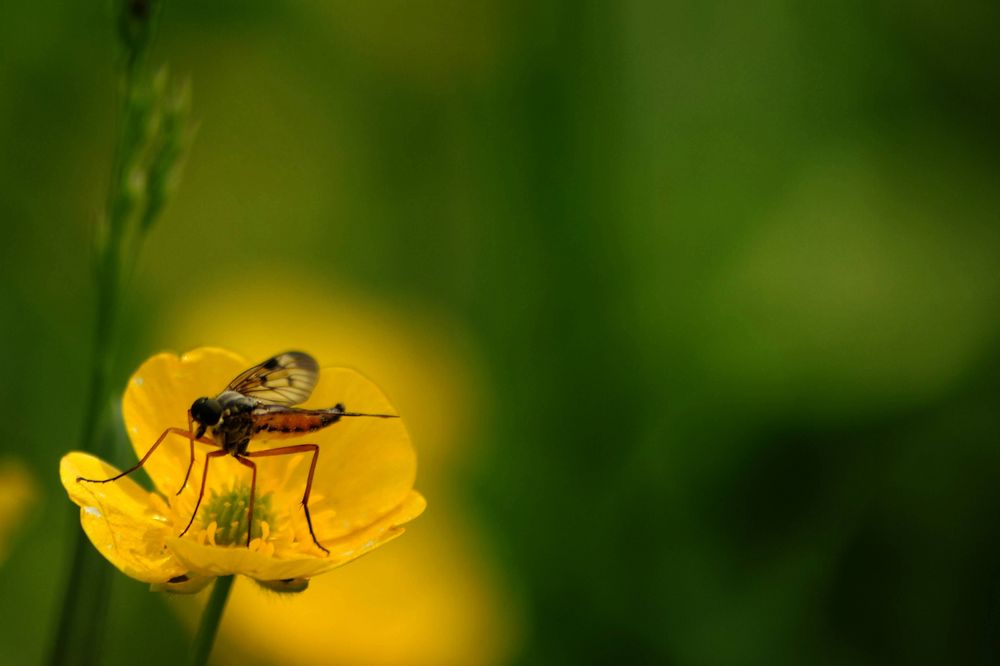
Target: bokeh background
692,308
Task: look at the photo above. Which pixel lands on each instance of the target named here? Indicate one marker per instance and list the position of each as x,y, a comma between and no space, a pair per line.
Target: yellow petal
366,466
120,519
158,396
354,545
210,560
220,561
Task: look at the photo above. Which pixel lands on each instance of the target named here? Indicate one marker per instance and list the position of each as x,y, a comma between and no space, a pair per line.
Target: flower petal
220,561
387,528
158,397
208,560
366,466
121,519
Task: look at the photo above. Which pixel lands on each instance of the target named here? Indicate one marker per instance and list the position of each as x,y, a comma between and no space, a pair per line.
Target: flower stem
80,633
205,638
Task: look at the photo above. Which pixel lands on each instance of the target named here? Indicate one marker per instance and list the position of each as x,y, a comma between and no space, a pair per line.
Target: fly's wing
286,379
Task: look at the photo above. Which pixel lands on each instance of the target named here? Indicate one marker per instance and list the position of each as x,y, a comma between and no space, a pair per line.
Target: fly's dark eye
206,411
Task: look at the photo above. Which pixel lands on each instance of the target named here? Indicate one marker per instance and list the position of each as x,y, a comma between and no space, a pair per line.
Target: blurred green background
726,275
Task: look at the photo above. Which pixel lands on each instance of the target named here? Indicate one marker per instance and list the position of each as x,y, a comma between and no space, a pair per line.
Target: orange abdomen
273,422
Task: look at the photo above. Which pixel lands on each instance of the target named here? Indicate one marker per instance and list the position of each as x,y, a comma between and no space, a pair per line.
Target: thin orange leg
298,448
253,493
187,434
187,474
201,493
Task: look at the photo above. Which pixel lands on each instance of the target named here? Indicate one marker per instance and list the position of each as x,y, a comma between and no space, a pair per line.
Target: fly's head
206,412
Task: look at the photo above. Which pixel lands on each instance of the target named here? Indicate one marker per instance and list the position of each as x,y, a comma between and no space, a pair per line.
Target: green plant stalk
80,633
201,649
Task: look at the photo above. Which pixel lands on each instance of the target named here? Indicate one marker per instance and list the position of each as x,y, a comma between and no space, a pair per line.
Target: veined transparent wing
284,379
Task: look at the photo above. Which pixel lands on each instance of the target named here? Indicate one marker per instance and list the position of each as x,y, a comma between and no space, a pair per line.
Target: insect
258,405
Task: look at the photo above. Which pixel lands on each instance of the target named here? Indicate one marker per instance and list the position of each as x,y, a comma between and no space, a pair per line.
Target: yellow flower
361,496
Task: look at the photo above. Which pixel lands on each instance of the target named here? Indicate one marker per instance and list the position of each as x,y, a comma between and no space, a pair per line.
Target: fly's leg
187,474
201,493
288,450
253,493
142,461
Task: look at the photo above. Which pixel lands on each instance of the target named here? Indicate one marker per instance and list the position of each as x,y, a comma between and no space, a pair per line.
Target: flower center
228,510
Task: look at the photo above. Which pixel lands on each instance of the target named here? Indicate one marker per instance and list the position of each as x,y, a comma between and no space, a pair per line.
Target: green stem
80,633
209,627
81,624
96,417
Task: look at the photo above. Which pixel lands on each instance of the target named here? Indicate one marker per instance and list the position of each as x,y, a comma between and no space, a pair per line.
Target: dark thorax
235,428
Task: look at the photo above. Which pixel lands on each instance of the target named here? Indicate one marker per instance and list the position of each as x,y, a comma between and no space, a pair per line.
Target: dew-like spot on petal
139,381
93,511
